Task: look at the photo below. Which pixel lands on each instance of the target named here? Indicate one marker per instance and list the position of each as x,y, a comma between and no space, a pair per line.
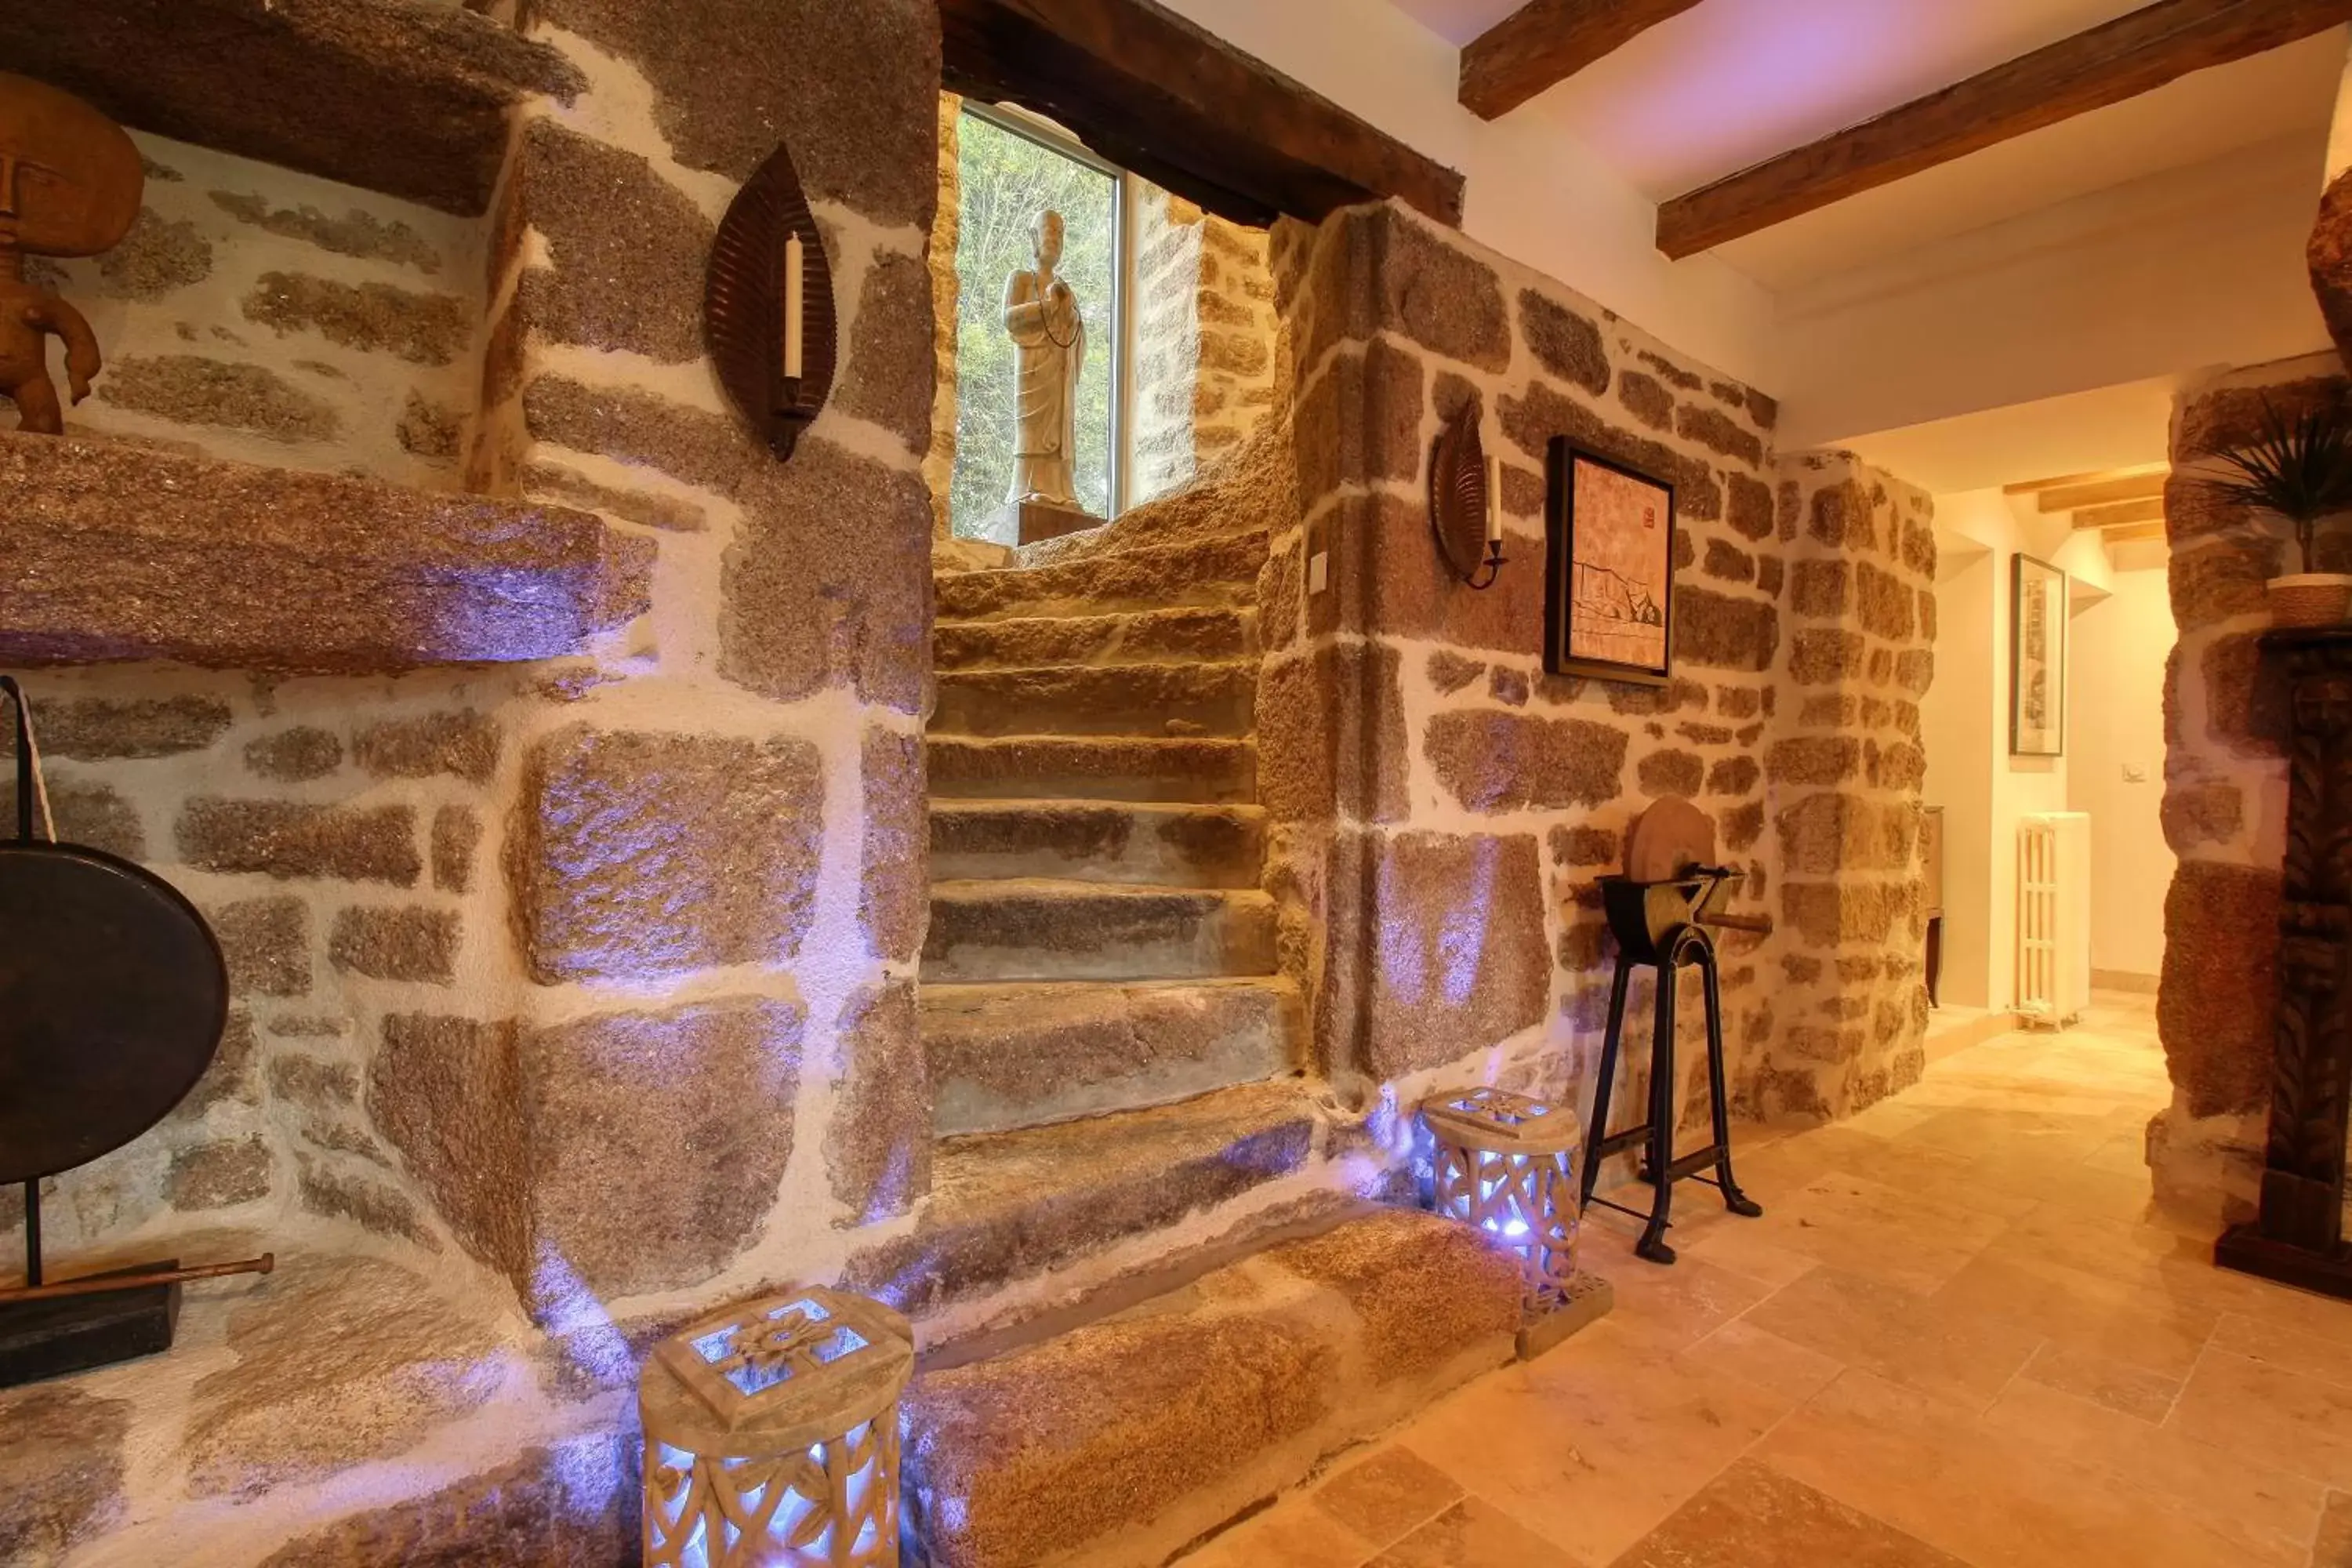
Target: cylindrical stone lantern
772,1435
1506,1165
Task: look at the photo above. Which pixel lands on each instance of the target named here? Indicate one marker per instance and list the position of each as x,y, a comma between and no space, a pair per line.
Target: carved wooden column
2299,1235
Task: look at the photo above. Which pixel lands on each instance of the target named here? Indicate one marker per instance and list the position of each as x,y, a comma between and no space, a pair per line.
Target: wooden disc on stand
1667,840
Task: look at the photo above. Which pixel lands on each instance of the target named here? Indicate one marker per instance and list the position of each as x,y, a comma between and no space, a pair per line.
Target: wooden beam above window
1547,41
2103,490
2129,55
2123,514
1151,93
2065,492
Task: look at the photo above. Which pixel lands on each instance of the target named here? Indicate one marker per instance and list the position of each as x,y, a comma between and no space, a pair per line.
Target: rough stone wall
1843,1024
264,315
1442,806
715,854
2225,798
568,999
1205,372
333,848
343,837
947,224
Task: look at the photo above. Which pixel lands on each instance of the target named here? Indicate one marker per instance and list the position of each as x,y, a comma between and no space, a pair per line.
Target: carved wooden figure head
70,179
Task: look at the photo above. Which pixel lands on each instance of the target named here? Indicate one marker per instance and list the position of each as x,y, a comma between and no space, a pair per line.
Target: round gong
113,996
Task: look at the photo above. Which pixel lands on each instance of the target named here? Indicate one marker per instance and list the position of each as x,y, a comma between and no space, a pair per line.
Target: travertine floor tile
1387,1496
1752,1516
1744,1249
1866,1226
1970,1131
1960,1335
2333,1547
2081,1311
1893,1117
1594,1446
1292,1535
2270,1415
1904,1165
2321,1316
2268,1512
2119,1385
1666,1308
2124,1153
1740,1349
1968,1357
2273,1342
1473,1534
1930,1467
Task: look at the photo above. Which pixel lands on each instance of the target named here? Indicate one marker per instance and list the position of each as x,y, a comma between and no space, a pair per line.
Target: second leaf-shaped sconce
768,307
1465,512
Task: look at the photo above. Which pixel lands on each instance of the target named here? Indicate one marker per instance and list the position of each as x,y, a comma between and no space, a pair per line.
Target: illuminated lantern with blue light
1507,1163
772,1435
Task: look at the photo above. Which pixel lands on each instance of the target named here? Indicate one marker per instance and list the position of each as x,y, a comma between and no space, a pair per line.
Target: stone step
1118,1442
1044,929
1199,769
1144,843
1212,571
1008,1056
1181,699
1008,1206
1033,642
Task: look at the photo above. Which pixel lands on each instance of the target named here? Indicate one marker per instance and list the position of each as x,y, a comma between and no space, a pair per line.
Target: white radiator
2053,916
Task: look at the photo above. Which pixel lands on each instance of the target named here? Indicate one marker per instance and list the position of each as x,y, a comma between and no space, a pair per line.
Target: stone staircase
1120,1359
1110,1049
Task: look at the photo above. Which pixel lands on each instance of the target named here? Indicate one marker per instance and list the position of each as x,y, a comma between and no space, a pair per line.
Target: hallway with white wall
2119,632
2116,772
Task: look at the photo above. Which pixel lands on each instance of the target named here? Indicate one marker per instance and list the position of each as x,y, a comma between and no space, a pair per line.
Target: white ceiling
2085,432
1731,83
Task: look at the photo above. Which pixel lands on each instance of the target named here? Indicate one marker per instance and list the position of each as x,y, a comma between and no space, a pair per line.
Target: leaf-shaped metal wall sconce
775,346
1464,512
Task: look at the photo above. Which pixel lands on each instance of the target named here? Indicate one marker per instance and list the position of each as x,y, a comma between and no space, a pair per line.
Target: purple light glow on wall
1420,967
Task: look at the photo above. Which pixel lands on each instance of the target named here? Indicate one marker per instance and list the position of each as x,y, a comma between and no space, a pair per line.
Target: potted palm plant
2300,467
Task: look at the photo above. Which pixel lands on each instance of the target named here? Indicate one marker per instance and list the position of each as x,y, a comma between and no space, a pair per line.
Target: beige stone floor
1956,1336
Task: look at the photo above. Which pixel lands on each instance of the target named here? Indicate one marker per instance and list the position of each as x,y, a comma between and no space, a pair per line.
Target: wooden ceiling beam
2124,514
2102,491
2134,534
1545,42
2134,54
2034,487
1151,93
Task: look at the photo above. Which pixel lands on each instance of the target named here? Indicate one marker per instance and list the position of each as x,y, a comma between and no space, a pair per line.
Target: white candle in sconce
1493,501
794,308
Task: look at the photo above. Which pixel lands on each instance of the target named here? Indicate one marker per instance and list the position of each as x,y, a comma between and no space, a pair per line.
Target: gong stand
109,1012
1663,926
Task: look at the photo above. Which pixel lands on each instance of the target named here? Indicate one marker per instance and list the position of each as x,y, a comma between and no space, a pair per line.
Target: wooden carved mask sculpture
71,182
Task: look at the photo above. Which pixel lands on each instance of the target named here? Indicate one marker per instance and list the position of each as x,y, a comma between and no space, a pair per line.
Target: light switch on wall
1318,571
2134,772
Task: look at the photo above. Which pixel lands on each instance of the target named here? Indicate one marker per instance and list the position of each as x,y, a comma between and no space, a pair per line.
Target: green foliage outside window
1007,180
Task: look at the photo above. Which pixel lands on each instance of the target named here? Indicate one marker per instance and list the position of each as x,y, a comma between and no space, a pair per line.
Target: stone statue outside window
1049,333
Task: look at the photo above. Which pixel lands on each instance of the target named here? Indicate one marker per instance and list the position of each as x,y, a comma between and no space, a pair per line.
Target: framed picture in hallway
2037,658
1610,586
